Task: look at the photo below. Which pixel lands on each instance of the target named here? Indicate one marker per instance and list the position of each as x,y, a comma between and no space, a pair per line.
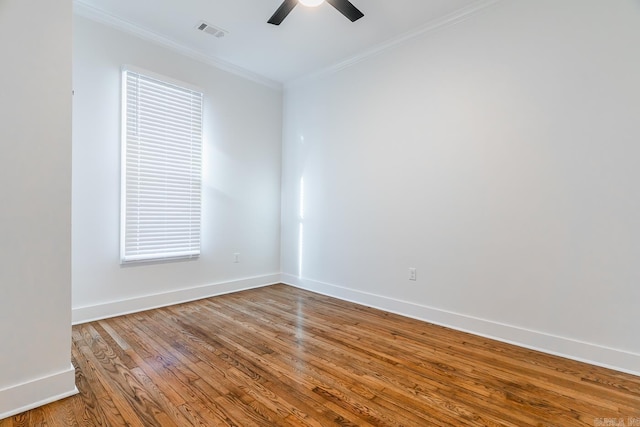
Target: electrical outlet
412,274
236,258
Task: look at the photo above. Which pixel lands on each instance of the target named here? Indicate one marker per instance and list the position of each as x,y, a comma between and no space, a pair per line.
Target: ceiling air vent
210,29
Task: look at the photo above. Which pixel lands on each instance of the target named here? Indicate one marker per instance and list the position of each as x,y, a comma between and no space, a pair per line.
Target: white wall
499,157
35,212
241,196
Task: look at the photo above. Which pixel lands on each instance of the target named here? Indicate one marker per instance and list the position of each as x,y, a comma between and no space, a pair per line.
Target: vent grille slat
210,29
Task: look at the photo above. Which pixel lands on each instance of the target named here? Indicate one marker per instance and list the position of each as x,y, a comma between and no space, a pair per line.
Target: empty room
320,213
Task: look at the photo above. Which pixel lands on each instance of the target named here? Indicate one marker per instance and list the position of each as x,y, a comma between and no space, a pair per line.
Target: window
161,168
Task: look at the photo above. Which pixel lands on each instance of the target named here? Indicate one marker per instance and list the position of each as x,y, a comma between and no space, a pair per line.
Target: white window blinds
161,169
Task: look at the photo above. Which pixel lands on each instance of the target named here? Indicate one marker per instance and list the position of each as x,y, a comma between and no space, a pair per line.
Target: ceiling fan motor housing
343,6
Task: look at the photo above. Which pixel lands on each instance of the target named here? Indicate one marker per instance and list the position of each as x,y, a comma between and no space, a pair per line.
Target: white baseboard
148,302
38,392
559,346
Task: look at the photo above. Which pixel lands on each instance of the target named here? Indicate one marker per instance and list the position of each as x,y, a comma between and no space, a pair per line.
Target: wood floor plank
277,347
281,356
97,401
117,405
356,369
174,374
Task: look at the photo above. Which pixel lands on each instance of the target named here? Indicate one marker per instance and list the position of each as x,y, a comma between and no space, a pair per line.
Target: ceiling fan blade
282,12
347,9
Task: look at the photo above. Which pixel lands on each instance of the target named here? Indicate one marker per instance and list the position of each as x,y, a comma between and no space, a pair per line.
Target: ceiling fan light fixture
311,3
345,7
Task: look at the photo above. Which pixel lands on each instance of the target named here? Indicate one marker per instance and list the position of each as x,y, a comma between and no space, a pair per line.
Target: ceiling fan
344,6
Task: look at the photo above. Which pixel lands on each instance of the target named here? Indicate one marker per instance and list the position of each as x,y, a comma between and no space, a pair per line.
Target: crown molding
81,8
430,27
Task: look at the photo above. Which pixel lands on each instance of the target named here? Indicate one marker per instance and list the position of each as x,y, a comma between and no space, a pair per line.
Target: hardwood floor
280,356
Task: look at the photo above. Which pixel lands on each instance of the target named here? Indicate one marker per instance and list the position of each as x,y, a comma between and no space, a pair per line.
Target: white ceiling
309,40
